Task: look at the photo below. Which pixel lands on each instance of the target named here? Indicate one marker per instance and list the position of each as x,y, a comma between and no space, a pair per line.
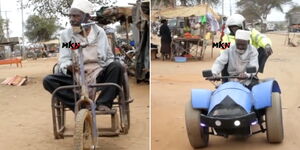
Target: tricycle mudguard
262,93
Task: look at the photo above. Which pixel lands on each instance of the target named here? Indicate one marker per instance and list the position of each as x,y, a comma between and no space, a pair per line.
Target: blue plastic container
180,59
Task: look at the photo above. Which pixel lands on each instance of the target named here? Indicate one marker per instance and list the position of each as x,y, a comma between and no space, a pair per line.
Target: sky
11,9
274,15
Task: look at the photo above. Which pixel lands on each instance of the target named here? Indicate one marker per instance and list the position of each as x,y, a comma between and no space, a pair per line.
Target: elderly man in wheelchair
99,63
87,65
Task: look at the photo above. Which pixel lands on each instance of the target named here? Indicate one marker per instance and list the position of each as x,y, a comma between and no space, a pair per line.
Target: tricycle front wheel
198,135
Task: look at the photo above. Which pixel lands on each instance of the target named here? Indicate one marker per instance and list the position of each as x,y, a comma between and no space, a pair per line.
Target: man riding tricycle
240,101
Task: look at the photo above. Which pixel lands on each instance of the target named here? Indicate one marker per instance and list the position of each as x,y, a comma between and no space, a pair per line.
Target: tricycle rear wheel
274,124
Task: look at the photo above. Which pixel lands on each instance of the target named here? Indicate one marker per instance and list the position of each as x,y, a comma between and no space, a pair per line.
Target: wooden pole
126,24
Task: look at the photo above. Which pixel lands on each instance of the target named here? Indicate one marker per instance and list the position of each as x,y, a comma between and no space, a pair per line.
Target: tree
40,28
294,9
254,10
172,3
2,23
52,8
249,15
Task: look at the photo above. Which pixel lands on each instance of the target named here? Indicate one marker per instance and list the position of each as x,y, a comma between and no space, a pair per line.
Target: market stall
195,27
135,18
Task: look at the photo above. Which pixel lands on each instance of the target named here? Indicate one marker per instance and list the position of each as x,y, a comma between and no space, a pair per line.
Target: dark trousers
262,59
113,73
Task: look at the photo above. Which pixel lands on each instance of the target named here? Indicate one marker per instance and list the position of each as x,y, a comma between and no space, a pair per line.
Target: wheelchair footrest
108,132
111,111
67,133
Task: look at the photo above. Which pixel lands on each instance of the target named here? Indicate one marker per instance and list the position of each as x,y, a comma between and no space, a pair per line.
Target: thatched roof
198,10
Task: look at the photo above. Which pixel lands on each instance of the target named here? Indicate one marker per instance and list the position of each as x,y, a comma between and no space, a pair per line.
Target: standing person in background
223,28
261,42
165,40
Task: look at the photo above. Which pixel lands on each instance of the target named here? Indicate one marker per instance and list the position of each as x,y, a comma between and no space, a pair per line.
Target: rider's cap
242,35
83,5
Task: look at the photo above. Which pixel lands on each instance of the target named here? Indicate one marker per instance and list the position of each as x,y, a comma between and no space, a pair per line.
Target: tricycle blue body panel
260,97
200,98
262,93
236,91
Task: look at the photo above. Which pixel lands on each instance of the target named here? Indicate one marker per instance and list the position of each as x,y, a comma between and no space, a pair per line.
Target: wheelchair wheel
55,69
83,136
125,116
58,116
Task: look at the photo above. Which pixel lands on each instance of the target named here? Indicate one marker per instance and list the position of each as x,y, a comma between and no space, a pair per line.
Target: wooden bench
12,61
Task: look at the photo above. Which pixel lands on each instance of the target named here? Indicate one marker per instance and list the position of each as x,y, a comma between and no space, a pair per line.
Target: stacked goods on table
188,35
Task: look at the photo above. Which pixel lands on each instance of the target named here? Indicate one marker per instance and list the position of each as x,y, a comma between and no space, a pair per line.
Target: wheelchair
119,114
86,131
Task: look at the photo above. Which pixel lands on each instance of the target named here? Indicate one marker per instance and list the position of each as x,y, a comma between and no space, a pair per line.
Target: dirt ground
26,120
171,88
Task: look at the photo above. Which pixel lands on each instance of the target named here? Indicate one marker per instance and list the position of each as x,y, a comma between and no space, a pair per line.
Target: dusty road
172,83
26,121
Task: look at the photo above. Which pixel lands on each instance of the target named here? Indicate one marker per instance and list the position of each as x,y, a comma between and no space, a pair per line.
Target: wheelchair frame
85,119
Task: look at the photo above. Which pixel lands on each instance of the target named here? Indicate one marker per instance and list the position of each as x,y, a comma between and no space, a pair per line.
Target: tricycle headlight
237,123
218,123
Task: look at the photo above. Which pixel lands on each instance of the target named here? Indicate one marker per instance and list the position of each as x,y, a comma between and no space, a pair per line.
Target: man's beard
240,51
76,29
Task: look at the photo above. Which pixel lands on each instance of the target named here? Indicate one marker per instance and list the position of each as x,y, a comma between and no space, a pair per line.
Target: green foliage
52,8
40,28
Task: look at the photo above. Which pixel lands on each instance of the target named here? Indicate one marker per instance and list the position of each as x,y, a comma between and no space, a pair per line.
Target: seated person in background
187,26
196,29
239,56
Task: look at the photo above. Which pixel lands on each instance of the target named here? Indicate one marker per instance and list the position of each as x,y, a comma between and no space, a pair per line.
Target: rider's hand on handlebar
216,75
243,76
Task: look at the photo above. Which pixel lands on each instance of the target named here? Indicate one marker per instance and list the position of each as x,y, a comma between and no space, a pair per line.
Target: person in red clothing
223,28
